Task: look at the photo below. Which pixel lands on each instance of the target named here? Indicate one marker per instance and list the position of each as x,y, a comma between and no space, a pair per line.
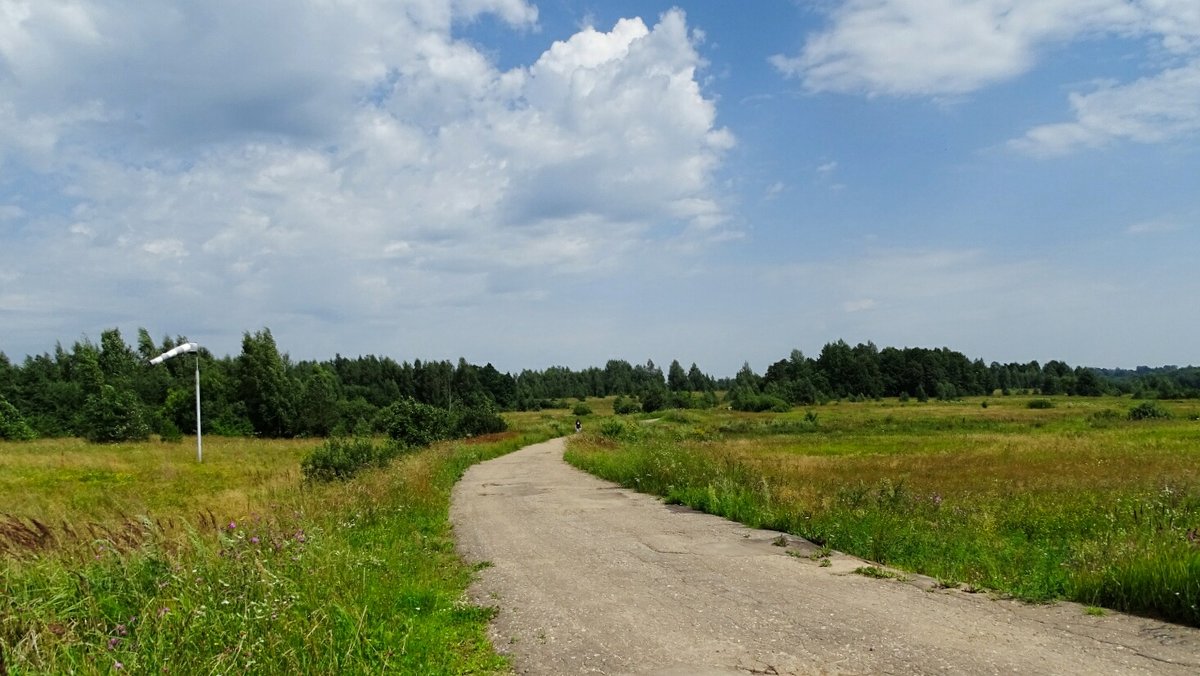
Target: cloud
316,163
1153,227
1153,109
859,305
947,47
939,48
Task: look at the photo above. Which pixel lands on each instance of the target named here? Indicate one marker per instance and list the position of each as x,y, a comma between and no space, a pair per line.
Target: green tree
264,387
113,415
318,406
677,378
12,426
116,360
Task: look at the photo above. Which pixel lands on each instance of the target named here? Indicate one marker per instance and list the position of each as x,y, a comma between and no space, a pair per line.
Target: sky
565,182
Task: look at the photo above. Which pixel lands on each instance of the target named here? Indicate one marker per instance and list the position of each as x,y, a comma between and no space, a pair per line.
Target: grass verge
346,577
1064,502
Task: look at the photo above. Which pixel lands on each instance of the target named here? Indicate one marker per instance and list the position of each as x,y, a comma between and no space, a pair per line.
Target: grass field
1074,502
136,558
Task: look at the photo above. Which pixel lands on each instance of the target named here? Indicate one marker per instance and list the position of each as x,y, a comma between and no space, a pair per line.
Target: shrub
169,432
581,409
1104,418
653,400
343,458
757,403
476,420
620,430
682,400
412,423
1148,410
12,426
1040,403
623,406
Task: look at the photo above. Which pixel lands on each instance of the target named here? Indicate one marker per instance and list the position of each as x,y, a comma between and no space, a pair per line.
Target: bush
343,458
12,426
620,430
1039,403
581,409
412,423
757,403
623,406
169,432
1104,418
1148,410
682,400
654,400
477,420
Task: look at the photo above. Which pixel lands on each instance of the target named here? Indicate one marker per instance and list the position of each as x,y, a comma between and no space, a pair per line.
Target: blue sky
562,182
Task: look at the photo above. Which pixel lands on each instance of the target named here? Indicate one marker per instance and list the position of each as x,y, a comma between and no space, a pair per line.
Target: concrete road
590,578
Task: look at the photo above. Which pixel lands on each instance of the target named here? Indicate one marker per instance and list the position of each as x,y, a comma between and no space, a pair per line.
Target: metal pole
199,443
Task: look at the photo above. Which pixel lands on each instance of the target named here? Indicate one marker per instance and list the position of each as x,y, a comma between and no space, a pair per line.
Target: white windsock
175,351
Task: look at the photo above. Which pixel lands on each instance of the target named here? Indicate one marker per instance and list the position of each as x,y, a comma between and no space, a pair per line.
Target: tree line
108,392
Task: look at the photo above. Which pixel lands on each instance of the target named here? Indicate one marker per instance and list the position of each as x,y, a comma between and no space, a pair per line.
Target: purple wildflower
232,525
117,666
112,643
254,540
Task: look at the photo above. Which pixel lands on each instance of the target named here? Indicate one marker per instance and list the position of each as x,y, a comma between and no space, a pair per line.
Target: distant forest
109,392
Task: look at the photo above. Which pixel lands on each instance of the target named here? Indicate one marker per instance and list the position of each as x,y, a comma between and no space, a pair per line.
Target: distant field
134,557
1074,501
70,478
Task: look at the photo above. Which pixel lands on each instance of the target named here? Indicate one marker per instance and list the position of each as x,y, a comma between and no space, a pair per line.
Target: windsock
175,351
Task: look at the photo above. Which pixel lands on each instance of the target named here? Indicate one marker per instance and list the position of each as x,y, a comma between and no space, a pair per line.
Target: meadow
133,557
1039,499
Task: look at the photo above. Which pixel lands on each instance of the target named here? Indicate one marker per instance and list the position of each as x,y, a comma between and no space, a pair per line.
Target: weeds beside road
135,558
1074,501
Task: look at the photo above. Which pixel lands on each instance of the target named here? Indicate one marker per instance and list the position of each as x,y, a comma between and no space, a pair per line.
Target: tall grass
246,569
1041,504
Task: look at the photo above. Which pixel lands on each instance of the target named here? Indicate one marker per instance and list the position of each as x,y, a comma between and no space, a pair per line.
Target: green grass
134,558
1074,501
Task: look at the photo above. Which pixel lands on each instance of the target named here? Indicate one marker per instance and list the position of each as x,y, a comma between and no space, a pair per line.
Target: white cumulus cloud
318,163
941,48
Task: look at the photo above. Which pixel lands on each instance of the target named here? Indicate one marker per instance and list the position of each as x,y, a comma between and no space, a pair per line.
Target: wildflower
121,630
232,525
254,540
937,499
299,536
112,643
117,666
163,611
